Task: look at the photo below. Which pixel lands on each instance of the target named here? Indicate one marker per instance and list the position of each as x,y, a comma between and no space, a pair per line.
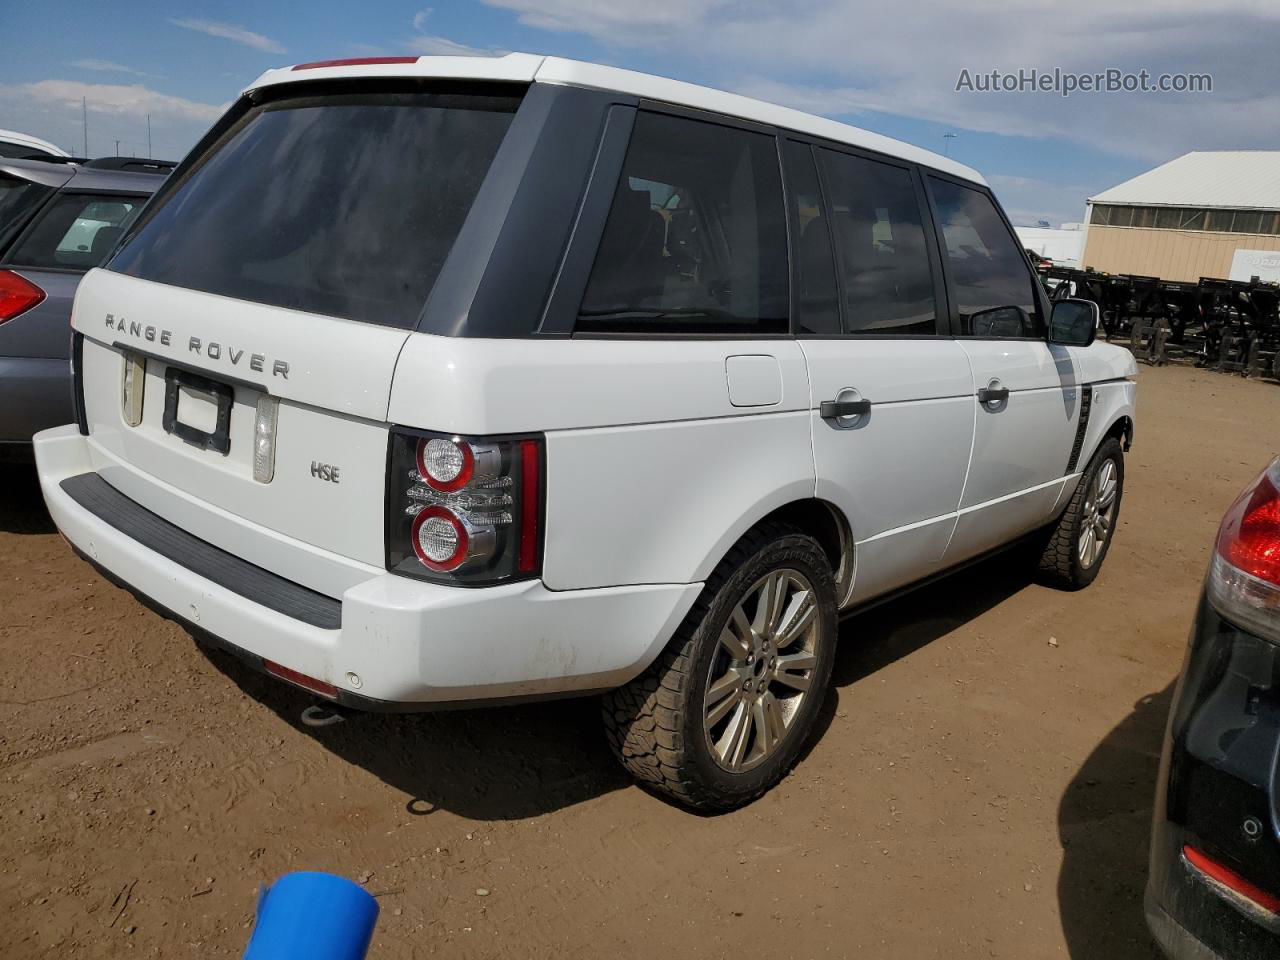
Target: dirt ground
978,790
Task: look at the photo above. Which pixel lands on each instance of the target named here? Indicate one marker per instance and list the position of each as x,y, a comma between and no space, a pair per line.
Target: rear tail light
1244,577
17,295
464,510
1226,877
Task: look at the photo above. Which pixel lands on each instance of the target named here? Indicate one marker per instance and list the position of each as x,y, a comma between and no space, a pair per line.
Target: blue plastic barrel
313,916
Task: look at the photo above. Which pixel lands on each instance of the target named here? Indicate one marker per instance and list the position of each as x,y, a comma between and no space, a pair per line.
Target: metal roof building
1205,214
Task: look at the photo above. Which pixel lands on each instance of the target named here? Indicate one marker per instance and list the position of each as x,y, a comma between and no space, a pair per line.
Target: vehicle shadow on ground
1104,824
22,507
495,763
507,763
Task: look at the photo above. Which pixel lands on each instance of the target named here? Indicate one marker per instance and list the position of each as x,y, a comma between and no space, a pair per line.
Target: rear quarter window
344,205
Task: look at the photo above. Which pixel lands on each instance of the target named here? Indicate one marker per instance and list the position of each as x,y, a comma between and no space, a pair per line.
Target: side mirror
1074,323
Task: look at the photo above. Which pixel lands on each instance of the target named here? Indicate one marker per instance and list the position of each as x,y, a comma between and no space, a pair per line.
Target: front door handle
835,409
993,395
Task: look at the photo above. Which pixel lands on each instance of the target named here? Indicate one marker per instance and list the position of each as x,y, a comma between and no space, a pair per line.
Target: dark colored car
1214,889
57,221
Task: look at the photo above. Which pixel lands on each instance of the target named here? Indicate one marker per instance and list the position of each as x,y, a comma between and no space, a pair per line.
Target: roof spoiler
130,164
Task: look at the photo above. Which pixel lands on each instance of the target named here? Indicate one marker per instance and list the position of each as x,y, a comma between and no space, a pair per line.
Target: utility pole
84,108
117,153
148,136
946,143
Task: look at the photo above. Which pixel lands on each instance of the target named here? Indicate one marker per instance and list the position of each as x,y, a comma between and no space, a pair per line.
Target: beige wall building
1200,215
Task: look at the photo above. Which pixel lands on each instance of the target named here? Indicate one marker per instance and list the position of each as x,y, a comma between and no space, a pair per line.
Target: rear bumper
35,394
401,643
1219,792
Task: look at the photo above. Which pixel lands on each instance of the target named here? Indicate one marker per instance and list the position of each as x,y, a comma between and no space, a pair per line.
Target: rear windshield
343,205
76,231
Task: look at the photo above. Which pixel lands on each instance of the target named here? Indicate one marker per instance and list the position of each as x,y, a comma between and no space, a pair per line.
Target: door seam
973,442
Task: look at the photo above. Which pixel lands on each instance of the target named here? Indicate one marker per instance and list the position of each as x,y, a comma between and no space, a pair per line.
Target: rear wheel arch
827,524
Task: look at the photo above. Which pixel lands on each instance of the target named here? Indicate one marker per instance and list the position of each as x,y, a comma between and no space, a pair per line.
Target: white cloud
444,47
131,99
851,57
228,31
52,109
437,46
108,66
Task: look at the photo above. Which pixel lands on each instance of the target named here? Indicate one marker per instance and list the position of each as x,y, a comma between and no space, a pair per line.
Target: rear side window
343,205
76,231
17,199
989,272
696,238
879,234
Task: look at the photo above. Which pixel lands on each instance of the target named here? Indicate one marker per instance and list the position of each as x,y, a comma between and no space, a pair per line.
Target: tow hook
323,715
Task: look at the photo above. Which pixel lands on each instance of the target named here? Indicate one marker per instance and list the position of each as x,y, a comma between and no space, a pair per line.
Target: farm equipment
1224,325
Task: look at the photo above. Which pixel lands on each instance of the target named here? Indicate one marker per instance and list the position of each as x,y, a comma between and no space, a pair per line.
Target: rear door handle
835,409
993,395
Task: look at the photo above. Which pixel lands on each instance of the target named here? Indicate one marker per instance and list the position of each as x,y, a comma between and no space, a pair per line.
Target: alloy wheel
761,671
1099,514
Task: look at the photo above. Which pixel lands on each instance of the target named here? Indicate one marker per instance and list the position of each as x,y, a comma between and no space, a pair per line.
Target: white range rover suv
440,380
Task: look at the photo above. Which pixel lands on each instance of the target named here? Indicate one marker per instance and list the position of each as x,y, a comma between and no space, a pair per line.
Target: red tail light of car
1244,577
1224,875
464,510
17,295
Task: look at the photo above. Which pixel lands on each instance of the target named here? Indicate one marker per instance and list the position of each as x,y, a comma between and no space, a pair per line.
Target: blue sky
887,67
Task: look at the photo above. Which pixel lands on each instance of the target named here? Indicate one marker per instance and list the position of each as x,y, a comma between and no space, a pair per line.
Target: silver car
57,221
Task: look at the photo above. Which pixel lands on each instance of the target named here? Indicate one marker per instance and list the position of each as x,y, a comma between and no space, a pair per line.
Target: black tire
655,723
1061,564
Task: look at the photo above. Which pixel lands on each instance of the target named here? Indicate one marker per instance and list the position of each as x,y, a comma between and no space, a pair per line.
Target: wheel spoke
1107,485
733,744
736,636
773,711
799,614
724,695
1087,538
769,605
787,671
766,736
730,682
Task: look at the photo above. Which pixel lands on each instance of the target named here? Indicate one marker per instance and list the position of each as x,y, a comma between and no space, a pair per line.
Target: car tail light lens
464,510
1244,577
17,295
1228,878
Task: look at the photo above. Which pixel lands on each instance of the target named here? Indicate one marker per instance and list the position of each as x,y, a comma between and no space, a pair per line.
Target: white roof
529,68
1248,179
27,140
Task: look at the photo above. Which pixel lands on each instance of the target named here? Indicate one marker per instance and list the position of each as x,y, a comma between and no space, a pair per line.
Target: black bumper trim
239,576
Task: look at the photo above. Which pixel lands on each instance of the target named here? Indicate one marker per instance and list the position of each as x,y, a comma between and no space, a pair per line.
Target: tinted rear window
342,205
17,199
76,231
696,238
